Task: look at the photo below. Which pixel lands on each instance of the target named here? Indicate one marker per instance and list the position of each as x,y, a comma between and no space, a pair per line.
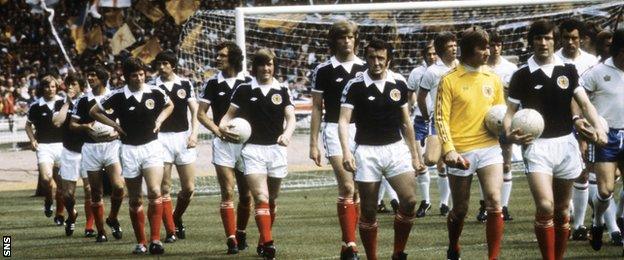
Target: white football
529,121
240,127
494,119
101,130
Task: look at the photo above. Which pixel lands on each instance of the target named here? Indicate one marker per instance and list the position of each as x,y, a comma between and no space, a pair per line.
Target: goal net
299,38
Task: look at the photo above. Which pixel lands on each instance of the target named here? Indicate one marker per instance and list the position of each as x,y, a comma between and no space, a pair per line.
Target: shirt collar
533,66
389,78
239,76
42,101
335,63
465,68
176,80
275,85
90,96
138,94
609,62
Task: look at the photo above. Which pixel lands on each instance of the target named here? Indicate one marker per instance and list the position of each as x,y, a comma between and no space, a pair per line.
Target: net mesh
299,40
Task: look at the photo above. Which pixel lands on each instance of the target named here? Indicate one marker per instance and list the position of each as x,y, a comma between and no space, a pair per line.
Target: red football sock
356,217
242,215
272,210
368,234
494,233
137,217
155,212
60,202
545,234
402,227
89,215
167,215
116,200
346,217
263,220
455,227
98,213
228,218
562,232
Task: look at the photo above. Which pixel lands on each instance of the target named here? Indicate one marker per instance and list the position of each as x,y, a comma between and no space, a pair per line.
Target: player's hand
418,165
157,125
119,130
217,133
192,141
602,139
34,145
585,129
315,155
88,127
348,162
228,135
283,140
455,160
517,137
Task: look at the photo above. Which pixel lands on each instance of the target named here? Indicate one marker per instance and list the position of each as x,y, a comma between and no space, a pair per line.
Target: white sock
609,216
579,200
382,191
424,180
600,206
506,190
445,190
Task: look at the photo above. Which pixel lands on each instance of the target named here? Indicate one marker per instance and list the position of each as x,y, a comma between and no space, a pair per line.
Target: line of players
346,87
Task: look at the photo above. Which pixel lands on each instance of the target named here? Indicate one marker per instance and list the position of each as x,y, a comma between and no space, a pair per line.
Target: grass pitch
306,228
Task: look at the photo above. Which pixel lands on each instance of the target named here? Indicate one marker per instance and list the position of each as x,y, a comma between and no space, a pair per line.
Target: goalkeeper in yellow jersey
465,95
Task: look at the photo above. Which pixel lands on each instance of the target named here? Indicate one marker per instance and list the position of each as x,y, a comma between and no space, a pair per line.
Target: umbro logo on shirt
221,93
131,108
44,114
607,78
253,99
538,87
339,80
371,98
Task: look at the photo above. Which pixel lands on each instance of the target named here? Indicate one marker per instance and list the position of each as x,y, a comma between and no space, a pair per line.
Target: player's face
49,91
496,48
165,68
544,46
345,44
571,41
73,89
480,55
93,80
450,50
431,57
136,79
264,73
377,61
222,59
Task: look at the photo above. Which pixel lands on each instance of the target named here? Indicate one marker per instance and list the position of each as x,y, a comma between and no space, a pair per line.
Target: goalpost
297,35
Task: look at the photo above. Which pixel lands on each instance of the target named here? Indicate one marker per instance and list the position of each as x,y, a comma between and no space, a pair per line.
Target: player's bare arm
343,133
589,111
224,126
31,136
408,133
98,114
204,119
284,138
164,114
315,125
75,126
421,101
59,117
192,139
514,135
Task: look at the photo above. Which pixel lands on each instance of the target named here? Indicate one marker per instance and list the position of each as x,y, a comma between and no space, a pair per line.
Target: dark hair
495,37
570,24
425,50
378,44
339,29
602,39
168,56
100,72
470,39
262,57
74,77
440,41
541,27
617,44
132,65
235,54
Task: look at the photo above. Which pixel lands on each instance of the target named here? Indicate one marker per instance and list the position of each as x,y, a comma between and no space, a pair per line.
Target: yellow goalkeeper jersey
464,97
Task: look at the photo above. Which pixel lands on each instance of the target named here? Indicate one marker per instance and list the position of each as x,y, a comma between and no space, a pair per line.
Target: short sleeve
348,96
206,95
317,79
587,81
427,81
287,98
191,91
414,79
32,111
515,88
108,102
238,97
574,78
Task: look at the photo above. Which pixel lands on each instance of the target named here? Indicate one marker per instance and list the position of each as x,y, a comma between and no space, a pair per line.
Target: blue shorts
422,129
613,151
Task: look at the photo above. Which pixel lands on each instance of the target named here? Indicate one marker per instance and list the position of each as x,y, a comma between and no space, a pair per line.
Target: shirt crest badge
181,93
149,104
563,82
395,94
607,78
488,91
276,99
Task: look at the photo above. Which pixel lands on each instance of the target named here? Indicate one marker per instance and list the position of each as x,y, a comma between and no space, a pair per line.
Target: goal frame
241,12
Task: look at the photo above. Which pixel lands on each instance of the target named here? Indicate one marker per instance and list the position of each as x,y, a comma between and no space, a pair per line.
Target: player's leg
69,188
113,171
167,204
347,204
69,173
90,218
381,205
580,198
491,184
508,158
137,215
394,198
541,185
482,213
186,173
45,178
59,218
227,181
444,188
403,184
274,185
243,210
460,192
421,130
562,195
605,178
97,203
153,179
368,219
260,192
